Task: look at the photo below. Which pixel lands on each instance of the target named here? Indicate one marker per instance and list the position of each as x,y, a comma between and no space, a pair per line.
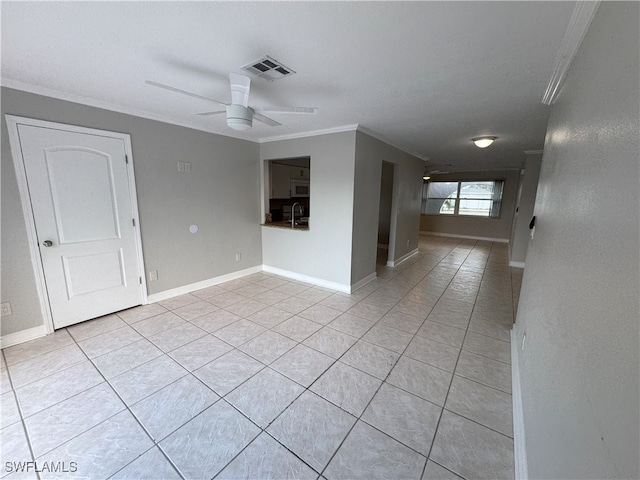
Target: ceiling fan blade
267,120
311,110
183,92
208,114
240,86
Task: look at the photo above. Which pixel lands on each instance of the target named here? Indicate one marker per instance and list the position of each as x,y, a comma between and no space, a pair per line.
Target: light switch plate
5,309
187,166
181,166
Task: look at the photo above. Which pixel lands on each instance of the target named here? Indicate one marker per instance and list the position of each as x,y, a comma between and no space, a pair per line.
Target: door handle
47,243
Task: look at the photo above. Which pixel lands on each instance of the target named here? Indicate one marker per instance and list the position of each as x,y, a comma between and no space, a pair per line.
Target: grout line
359,418
435,434
399,279
20,413
478,423
128,408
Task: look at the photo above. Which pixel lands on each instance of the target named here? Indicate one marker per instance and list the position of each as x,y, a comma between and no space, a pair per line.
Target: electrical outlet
524,336
181,166
187,166
5,308
153,275
238,257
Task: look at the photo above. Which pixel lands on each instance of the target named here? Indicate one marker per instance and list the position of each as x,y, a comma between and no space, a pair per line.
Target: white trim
174,292
398,261
472,237
23,336
32,239
519,444
366,131
71,97
311,133
363,282
21,176
516,264
340,287
133,195
581,18
113,107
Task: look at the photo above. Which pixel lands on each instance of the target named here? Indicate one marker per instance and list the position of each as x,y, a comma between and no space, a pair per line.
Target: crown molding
366,131
581,18
113,107
311,133
90,102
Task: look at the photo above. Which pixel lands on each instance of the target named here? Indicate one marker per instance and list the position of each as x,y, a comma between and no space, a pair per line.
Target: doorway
385,247
78,195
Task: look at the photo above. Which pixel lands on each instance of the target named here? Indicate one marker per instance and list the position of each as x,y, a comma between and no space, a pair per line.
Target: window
474,198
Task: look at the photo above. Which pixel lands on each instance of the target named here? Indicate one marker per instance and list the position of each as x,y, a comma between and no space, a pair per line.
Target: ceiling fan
429,171
239,114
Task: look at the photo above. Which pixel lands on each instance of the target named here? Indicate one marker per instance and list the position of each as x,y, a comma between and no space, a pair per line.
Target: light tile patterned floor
264,378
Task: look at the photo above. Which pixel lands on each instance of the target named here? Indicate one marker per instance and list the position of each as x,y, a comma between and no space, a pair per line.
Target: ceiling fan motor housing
239,117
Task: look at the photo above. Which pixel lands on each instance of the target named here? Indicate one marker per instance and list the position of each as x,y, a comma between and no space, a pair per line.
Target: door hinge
140,279
133,220
126,158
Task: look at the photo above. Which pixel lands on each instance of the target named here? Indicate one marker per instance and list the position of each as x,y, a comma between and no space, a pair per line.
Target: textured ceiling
425,76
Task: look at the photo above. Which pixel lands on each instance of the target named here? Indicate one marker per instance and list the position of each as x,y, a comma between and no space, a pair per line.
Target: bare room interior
323,240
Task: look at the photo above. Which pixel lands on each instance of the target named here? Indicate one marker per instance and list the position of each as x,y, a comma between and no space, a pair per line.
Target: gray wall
405,203
528,189
495,228
579,302
386,193
221,195
324,251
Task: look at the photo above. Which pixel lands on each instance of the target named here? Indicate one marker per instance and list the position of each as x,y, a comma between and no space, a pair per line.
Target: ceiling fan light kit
239,117
483,142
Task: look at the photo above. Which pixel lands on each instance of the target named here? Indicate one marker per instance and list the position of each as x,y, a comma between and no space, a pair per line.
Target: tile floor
262,377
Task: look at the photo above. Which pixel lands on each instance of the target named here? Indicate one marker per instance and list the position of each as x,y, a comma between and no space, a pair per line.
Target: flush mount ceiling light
483,142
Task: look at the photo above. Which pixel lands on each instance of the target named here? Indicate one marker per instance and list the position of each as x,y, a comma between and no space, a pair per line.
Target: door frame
13,122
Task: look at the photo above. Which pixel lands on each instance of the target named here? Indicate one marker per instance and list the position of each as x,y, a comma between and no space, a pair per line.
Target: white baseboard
516,264
395,263
22,336
363,282
340,287
174,292
519,447
471,237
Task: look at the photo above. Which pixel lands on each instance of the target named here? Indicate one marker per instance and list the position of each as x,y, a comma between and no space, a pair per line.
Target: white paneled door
83,202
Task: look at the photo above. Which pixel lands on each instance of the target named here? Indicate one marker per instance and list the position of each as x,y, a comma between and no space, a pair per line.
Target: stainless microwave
299,188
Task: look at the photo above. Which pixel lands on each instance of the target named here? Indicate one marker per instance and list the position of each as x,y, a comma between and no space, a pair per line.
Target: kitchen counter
286,225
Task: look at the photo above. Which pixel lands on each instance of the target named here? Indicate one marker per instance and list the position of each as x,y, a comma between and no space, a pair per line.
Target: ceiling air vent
268,68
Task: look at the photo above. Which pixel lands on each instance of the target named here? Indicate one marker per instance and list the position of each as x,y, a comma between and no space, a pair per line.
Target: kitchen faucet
293,213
